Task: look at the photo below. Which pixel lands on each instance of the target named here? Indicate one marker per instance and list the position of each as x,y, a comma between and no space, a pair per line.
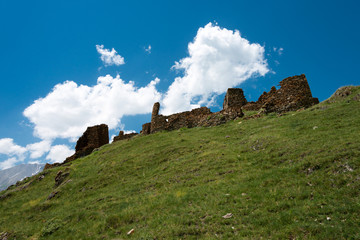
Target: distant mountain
12,175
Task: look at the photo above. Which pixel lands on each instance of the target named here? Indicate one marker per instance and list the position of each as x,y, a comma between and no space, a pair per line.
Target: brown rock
5,236
60,177
48,165
51,195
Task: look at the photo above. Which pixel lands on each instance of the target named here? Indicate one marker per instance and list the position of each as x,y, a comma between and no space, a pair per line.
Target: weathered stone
93,137
294,93
197,117
234,98
146,128
156,109
341,94
51,195
48,165
4,196
123,136
5,236
252,106
60,177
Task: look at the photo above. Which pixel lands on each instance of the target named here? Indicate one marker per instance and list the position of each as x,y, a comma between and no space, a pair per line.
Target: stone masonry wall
294,93
234,98
93,137
197,117
123,136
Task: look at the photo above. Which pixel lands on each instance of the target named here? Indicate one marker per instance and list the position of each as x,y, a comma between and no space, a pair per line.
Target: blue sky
46,43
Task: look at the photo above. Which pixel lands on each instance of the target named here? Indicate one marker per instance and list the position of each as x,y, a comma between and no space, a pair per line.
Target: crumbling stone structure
146,128
123,136
294,93
234,98
93,137
197,117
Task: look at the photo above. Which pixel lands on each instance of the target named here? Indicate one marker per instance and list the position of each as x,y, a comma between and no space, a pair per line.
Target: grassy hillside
295,176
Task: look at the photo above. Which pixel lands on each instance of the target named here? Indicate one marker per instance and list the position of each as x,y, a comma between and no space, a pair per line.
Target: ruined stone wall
195,118
123,136
93,137
146,128
234,98
294,93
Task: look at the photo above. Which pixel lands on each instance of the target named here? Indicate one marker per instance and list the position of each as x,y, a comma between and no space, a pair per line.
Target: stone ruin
195,118
123,136
93,137
294,93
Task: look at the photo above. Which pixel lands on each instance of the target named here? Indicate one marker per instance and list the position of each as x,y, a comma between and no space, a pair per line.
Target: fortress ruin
294,93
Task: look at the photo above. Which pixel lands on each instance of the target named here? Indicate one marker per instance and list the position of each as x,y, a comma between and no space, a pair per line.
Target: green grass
295,176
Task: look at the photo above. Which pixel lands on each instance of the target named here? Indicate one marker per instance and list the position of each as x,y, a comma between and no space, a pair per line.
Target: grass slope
296,176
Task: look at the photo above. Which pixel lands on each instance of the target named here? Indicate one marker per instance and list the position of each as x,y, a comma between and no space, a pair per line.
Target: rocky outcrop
343,93
93,137
61,176
51,165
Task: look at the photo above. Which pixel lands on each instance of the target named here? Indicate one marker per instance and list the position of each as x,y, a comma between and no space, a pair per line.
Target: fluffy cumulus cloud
8,163
109,57
38,149
70,108
218,59
59,153
8,147
15,153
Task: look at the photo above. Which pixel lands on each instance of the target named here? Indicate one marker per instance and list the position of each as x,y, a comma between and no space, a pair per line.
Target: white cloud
8,147
59,153
109,57
148,49
112,138
218,59
8,163
38,149
69,108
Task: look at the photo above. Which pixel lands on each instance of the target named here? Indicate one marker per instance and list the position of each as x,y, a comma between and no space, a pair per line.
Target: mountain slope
12,175
293,176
